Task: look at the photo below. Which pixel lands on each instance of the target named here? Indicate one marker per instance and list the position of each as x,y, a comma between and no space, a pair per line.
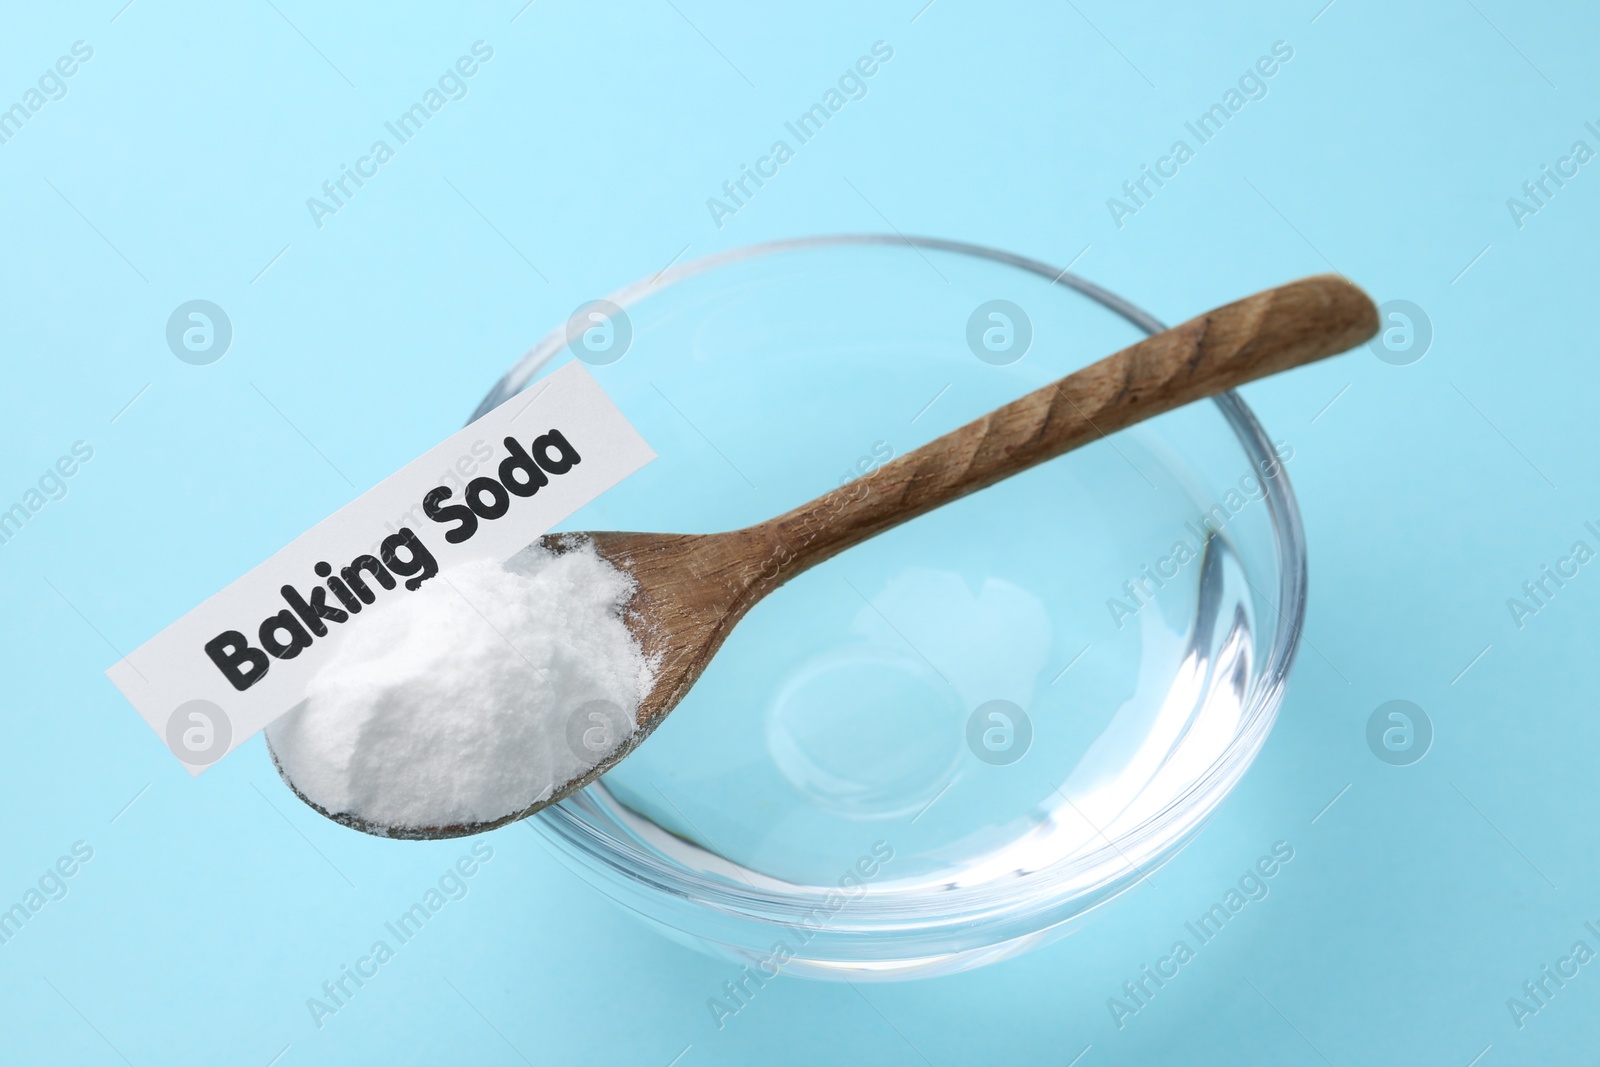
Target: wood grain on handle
1260,335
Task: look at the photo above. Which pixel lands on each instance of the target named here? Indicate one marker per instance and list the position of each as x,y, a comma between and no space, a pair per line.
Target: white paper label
211,680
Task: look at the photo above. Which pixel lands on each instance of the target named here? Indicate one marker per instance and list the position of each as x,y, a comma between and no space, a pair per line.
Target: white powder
472,697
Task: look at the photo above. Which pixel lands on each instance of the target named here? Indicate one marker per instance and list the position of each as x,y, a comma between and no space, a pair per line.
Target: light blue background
178,165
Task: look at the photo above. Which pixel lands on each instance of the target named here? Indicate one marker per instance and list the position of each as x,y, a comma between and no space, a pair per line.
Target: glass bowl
951,743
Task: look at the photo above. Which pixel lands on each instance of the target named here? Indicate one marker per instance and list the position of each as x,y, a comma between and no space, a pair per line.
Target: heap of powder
472,697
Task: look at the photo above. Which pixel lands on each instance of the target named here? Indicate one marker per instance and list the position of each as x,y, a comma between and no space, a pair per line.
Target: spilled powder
471,698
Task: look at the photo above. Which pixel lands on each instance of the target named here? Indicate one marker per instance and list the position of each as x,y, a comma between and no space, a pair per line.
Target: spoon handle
1272,331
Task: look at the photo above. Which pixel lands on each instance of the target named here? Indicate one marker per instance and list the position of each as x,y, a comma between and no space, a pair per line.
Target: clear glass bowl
951,743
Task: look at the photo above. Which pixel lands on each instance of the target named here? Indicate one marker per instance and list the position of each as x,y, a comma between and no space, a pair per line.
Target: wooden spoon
693,588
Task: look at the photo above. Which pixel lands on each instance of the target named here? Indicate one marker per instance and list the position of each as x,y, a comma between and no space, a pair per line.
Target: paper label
211,680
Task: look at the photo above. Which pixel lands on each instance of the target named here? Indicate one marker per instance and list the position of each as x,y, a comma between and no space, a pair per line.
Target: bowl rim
1019,899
